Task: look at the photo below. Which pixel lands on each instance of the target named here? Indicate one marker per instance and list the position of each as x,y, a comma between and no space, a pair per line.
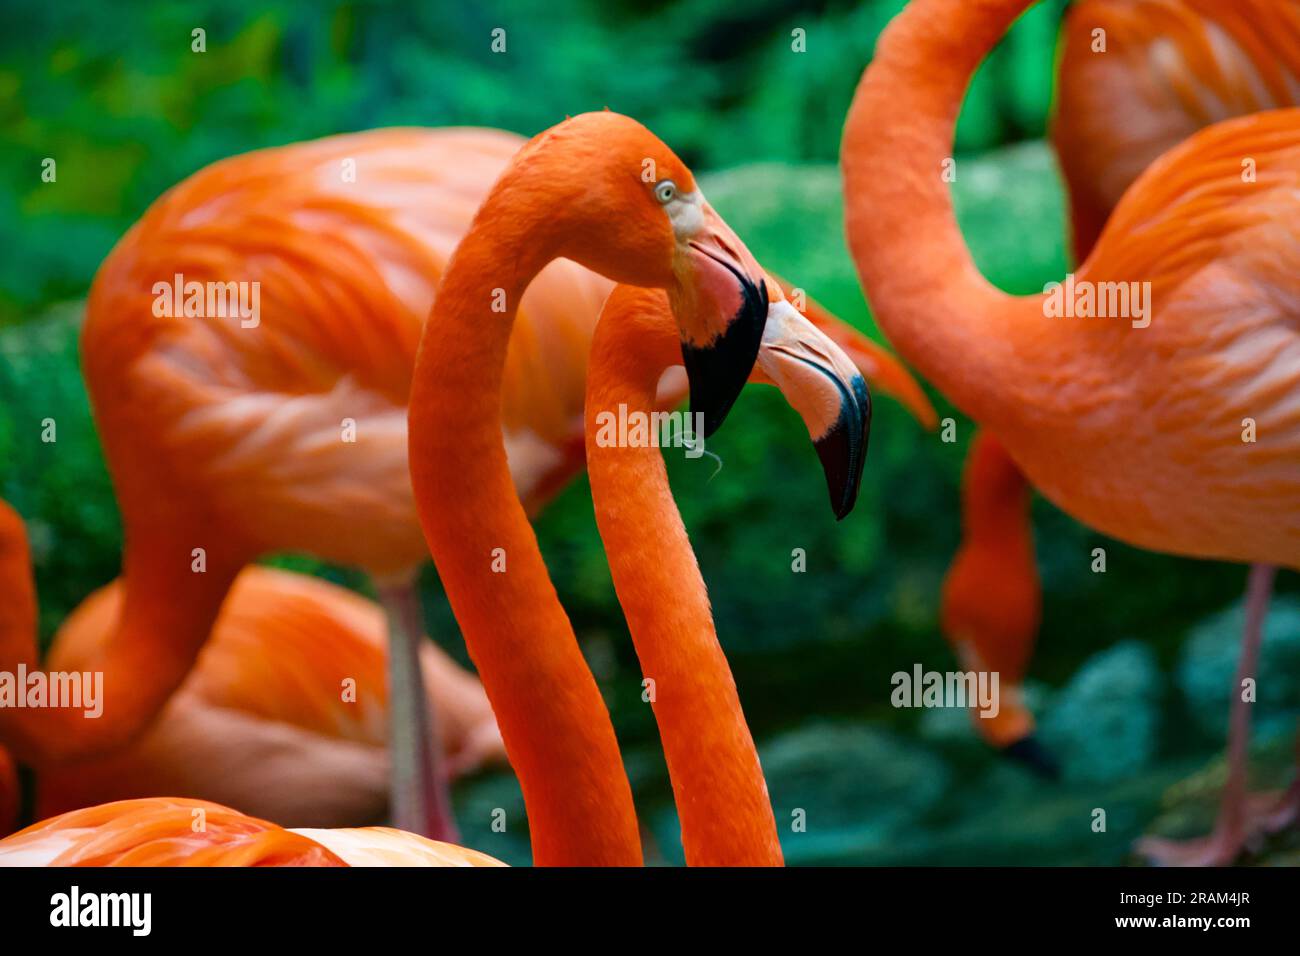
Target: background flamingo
263,722
1092,416
1169,68
992,601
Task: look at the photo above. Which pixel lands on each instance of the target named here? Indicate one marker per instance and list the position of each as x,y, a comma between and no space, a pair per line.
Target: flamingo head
639,218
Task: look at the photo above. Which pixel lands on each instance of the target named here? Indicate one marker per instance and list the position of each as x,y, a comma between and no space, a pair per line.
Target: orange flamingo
1158,71
722,800
226,441
283,716
1136,431
171,831
992,602
1169,67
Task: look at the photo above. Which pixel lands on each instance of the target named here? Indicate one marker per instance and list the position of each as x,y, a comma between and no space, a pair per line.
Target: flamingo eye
666,191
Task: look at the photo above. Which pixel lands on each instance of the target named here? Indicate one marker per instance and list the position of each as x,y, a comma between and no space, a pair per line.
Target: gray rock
1104,724
1208,665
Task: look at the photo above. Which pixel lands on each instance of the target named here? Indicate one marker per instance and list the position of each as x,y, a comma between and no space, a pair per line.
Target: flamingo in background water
1168,68
284,715
236,440
171,831
1134,431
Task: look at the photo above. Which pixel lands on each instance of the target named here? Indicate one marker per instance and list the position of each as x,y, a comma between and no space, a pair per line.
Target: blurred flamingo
1140,437
283,716
10,794
172,831
992,601
1158,71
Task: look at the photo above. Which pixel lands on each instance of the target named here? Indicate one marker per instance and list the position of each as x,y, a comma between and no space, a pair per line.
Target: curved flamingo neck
553,720
168,610
722,800
925,289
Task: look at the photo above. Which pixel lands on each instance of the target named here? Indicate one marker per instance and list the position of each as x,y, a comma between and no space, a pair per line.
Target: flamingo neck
168,611
925,289
995,496
553,720
722,800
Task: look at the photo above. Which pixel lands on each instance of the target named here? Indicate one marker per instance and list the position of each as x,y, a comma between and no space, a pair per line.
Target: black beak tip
1029,752
843,449
718,371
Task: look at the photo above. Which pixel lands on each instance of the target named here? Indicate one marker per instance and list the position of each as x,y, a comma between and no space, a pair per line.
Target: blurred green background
1131,679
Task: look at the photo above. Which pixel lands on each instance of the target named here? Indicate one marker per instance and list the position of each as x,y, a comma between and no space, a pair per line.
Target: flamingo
231,442
1169,68
172,831
992,602
1137,432
602,190
283,716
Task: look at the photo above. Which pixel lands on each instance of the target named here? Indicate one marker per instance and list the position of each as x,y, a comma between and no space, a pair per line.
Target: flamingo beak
824,387
720,302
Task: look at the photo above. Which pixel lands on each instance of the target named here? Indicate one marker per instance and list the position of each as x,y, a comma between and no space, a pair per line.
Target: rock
1104,724
854,787
1208,665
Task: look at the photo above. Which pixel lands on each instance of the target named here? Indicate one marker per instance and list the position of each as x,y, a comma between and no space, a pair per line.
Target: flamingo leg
420,792
1240,818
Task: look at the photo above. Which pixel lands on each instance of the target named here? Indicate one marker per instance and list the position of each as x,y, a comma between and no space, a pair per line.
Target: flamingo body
1168,69
1137,432
249,422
